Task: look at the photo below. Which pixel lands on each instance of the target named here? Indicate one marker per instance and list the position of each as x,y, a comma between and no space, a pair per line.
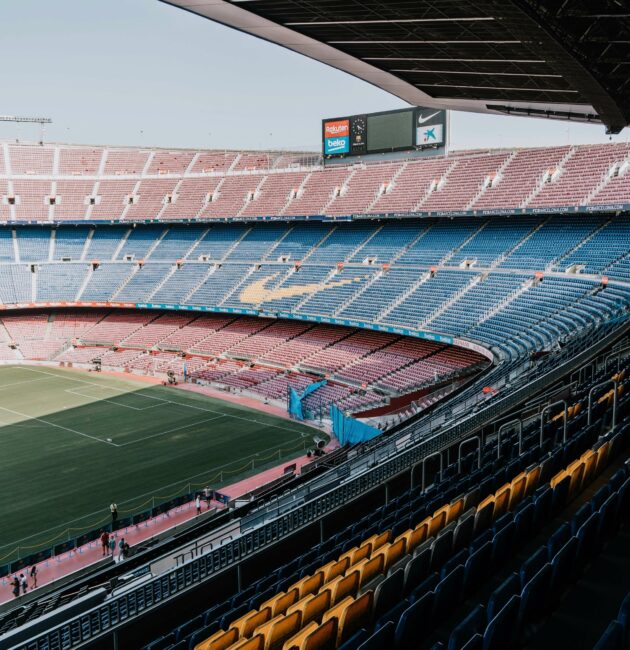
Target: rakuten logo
336,129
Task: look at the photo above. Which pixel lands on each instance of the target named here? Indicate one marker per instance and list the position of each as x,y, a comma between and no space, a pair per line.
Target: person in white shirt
198,504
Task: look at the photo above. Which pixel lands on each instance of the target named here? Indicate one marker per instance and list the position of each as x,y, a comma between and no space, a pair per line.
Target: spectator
24,583
125,551
113,508
198,504
15,584
112,545
33,573
105,542
121,548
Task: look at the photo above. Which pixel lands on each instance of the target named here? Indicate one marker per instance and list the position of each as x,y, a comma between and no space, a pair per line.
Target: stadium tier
57,183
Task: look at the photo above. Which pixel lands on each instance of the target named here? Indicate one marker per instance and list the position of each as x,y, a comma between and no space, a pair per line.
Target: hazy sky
140,72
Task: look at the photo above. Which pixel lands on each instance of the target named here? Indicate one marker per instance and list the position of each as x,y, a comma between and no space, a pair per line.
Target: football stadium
368,396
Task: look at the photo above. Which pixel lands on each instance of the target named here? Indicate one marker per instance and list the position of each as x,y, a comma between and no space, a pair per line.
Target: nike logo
257,291
422,120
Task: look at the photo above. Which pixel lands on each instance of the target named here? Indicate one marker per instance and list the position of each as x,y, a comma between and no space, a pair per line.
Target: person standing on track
105,542
112,546
113,508
15,584
198,504
33,573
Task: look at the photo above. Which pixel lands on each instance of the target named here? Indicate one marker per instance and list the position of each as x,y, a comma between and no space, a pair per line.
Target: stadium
364,397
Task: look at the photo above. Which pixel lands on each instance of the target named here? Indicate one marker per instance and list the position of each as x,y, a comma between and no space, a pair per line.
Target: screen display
337,137
390,131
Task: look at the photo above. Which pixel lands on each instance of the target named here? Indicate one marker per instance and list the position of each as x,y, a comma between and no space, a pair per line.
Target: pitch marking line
111,401
18,383
163,433
159,399
58,426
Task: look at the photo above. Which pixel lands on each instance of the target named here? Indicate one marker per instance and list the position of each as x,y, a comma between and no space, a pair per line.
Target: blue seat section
428,297
439,241
105,281
59,281
104,243
6,245
139,242
144,282
606,246
389,242
466,312
298,242
176,243
15,283
70,242
491,243
341,243
219,283
33,244
553,239
181,283
340,287
620,269
217,242
258,242
383,291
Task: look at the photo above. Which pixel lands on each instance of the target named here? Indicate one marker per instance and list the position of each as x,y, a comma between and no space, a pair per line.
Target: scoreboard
407,129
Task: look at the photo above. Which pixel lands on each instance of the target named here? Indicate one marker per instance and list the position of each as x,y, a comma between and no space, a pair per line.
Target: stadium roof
562,59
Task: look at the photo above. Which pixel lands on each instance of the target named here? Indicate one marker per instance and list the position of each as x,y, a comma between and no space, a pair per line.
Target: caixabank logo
337,137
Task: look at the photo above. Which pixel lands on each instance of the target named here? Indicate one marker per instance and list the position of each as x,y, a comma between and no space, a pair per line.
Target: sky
139,72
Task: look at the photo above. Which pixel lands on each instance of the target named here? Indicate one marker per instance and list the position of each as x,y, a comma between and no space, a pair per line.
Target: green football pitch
72,442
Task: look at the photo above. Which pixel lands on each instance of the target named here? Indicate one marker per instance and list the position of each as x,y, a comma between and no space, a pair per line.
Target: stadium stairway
353,581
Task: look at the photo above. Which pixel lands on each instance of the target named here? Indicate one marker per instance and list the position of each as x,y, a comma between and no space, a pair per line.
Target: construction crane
42,121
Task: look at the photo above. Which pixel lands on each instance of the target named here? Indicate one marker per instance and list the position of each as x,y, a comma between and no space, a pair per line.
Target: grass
73,442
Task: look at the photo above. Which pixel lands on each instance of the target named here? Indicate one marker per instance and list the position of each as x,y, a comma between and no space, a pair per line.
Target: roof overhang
471,55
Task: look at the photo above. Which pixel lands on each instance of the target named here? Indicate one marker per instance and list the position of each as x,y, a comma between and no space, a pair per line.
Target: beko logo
336,144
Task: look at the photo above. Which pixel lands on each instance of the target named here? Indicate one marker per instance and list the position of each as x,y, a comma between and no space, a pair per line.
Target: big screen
390,131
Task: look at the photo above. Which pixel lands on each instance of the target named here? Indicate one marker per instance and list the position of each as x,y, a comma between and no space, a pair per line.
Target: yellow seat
501,500
342,586
456,509
219,640
308,584
602,458
590,461
255,643
517,490
557,478
376,541
577,474
391,553
312,606
247,623
314,637
351,615
357,554
334,568
438,521
282,601
370,568
533,478
279,629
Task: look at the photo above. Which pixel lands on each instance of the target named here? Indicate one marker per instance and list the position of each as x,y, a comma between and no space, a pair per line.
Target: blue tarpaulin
295,399
350,431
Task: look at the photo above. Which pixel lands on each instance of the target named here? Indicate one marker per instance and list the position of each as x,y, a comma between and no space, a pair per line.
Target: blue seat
503,628
588,539
417,570
580,516
533,600
609,521
457,559
441,549
464,530
188,627
393,615
355,641
502,544
524,520
558,539
533,564
476,643
612,638
382,639
560,495
388,593
415,621
542,501
448,592
477,567
427,585
563,567
624,618
499,598
472,625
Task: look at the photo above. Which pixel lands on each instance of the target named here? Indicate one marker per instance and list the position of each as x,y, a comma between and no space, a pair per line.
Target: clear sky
139,72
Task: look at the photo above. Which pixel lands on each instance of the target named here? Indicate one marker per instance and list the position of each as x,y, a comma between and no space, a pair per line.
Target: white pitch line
111,401
192,406
163,433
18,383
59,426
